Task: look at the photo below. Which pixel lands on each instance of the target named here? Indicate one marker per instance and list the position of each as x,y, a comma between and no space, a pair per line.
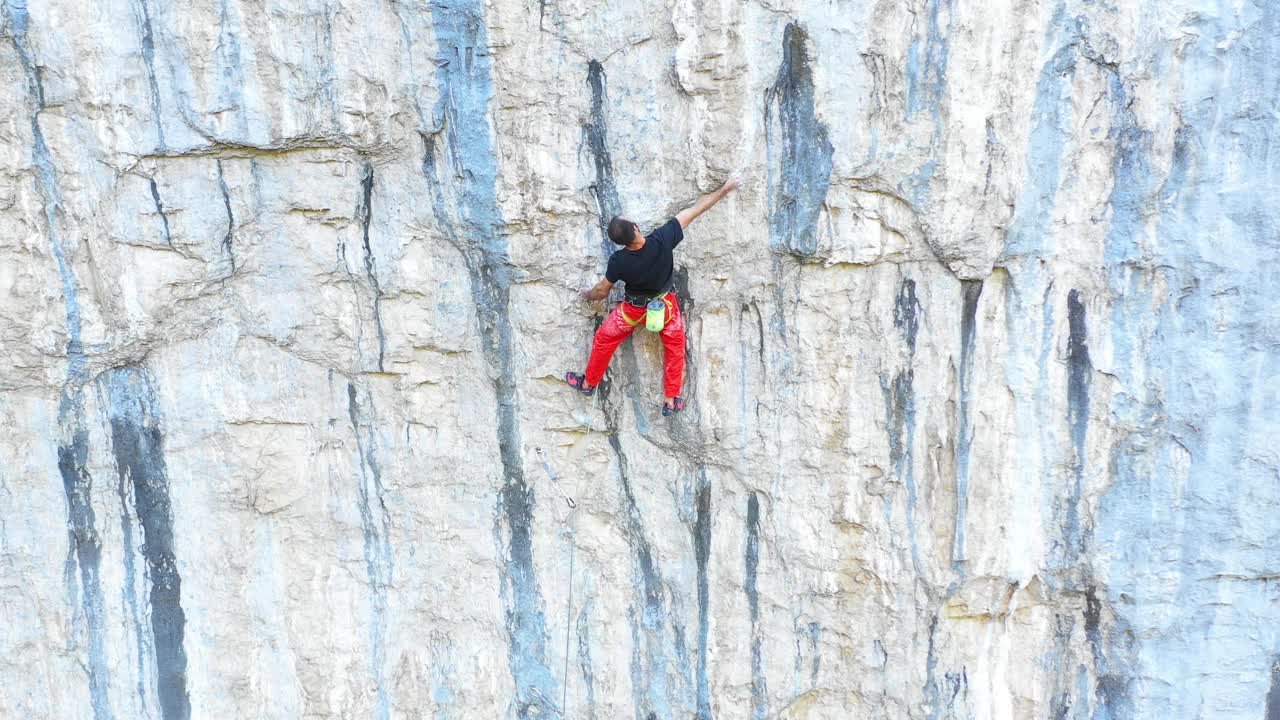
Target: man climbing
646,265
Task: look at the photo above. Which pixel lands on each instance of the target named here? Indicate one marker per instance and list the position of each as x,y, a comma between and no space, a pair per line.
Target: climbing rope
568,623
573,545
555,480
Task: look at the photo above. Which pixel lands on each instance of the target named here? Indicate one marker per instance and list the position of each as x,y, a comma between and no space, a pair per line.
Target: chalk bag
655,315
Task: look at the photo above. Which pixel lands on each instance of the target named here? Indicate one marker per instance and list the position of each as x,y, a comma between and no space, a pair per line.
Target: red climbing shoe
579,383
677,404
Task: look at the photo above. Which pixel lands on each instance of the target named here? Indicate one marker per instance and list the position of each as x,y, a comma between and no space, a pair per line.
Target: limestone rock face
984,360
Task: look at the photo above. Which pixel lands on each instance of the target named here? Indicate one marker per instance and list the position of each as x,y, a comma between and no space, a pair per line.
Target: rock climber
645,264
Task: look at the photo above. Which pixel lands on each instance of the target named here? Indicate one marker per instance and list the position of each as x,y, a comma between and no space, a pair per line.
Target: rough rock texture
983,360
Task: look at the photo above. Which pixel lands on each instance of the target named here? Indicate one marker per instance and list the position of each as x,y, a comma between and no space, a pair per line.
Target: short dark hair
621,230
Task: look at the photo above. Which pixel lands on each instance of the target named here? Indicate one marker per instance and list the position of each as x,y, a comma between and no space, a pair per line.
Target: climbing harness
655,312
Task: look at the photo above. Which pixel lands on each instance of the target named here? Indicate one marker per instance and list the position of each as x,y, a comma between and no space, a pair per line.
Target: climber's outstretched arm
688,215
599,292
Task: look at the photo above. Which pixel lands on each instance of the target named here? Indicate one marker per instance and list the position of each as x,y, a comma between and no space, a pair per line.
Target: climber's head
622,231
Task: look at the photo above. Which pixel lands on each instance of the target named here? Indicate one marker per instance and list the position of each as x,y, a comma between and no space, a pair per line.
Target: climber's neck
637,244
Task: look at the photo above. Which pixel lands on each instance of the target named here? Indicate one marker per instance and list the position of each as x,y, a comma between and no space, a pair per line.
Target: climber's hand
704,204
597,293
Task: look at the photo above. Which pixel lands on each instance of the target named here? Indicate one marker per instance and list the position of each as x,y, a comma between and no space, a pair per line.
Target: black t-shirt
648,271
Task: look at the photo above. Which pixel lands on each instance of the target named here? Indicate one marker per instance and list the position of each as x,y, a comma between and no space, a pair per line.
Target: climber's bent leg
673,350
612,332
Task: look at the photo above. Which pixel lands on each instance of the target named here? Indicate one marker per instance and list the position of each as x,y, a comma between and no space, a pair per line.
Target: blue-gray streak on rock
137,444
605,187
376,532
442,677
751,567
229,236
926,85
1028,289
636,664
364,213
971,291
1190,497
1112,676
702,556
1273,693
686,682
649,678
164,219
585,666
229,79
931,693
143,650
1079,375
799,151
463,74
149,60
1050,133
814,634
900,409
84,545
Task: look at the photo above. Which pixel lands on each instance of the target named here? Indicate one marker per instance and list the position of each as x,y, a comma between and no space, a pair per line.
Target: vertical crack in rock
164,219
1079,370
84,545
751,561
138,446
799,151
377,541
900,408
605,187
971,290
702,555
463,72
149,60
926,85
231,219
364,212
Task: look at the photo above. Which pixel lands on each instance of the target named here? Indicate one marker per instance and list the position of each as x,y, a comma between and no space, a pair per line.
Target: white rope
555,480
573,545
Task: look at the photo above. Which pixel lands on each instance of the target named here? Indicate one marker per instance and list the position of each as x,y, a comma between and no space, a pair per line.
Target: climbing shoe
676,406
579,383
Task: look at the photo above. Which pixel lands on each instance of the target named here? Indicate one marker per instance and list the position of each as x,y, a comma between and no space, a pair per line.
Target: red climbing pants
620,323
